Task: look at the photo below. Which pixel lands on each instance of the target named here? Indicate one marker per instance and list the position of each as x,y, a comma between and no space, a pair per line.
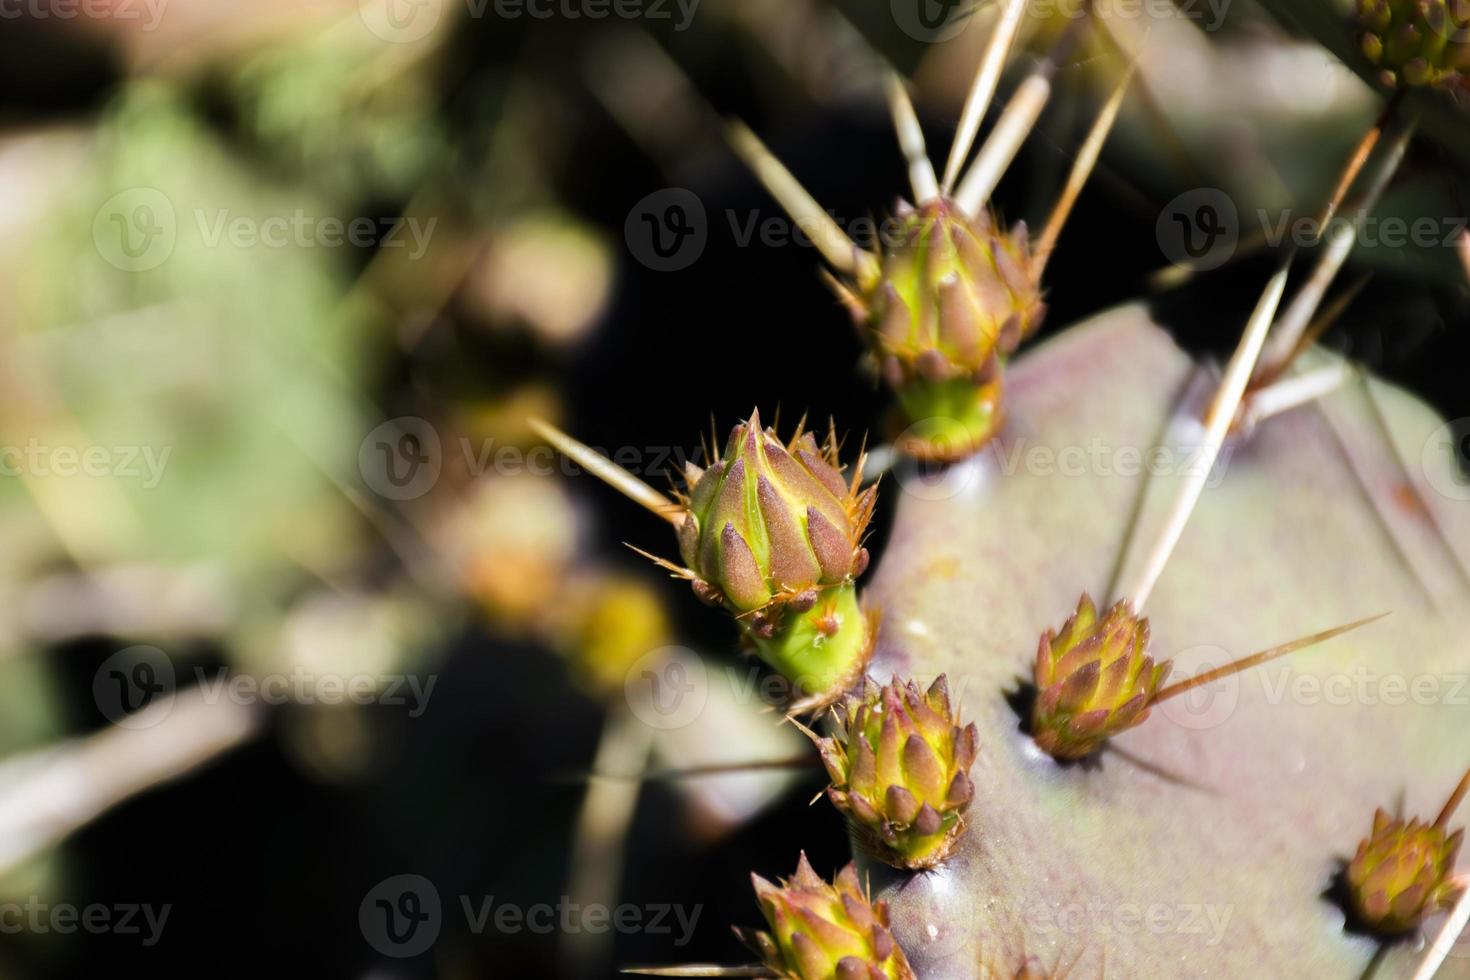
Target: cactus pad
1203,843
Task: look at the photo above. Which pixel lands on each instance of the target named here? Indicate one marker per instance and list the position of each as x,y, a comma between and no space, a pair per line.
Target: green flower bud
1093,680
954,298
1402,873
769,523
900,771
774,534
825,932
1417,42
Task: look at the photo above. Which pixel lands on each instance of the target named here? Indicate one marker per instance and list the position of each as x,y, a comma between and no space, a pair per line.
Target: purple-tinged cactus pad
1204,841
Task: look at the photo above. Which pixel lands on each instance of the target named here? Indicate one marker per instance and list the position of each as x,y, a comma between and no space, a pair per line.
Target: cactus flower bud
953,299
900,771
1417,42
773,533
1093,680
825,932
768,523
1402,873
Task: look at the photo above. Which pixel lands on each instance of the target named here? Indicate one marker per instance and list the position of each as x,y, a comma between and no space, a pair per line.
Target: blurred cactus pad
1205,842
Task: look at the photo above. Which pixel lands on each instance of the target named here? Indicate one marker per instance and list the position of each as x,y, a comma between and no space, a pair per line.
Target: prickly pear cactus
1208,843
1149,790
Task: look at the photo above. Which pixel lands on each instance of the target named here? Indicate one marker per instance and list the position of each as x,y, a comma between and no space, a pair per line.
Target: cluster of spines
900,766
1094,679
822,931
1403,870
768,525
